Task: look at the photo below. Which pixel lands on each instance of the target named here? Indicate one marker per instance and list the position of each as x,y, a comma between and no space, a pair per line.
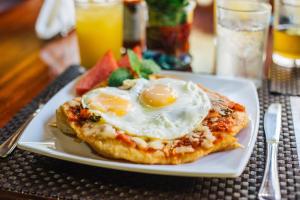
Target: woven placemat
29,173
285,80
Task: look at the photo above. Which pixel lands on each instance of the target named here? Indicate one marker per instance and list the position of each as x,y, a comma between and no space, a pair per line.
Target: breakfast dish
49,141
130,110
157,121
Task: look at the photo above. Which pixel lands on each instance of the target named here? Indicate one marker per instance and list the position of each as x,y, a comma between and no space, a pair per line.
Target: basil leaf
118,76
145,75
135,63
149,67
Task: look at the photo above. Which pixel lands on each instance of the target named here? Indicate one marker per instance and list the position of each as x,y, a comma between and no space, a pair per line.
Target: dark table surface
28,64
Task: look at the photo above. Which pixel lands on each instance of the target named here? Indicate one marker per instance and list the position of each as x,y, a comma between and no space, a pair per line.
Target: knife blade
270,188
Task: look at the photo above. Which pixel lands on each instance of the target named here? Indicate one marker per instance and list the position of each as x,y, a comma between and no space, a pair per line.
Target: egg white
173,121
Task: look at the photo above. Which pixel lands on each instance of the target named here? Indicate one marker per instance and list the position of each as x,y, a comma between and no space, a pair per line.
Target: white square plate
42,139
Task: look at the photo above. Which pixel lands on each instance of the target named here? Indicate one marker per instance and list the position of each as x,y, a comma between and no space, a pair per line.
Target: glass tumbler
242,31
286,48
99,28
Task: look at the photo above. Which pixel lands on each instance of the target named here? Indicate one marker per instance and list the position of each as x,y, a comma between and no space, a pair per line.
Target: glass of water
242,31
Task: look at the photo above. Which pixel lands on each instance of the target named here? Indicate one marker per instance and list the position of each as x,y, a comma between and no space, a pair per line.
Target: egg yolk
158,96
110,103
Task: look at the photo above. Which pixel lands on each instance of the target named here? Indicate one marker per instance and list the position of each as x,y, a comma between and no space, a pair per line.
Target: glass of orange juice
286,32
99,27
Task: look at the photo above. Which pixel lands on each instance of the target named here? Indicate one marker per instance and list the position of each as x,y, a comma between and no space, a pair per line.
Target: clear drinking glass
242,31
99,28
215,10
286,31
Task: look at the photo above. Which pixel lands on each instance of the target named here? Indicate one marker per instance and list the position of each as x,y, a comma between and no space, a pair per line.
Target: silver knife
270,188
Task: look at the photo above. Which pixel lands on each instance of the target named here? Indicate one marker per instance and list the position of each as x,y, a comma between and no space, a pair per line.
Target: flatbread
216,133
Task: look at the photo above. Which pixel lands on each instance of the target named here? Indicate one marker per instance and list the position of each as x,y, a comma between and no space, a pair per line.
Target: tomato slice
100,72
124,61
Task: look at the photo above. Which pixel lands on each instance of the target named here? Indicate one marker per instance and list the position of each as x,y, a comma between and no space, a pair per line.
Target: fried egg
164,108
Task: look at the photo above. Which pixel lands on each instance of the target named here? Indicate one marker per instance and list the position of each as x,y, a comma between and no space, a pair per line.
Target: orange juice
99,27
287,41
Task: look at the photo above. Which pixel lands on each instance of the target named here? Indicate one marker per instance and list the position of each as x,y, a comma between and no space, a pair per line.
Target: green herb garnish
149,67
94,118
135,63
118,76
143,68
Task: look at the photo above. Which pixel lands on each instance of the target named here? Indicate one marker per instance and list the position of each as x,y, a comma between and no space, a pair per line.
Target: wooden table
28,64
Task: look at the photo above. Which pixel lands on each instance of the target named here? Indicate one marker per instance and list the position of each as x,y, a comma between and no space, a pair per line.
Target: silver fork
9,145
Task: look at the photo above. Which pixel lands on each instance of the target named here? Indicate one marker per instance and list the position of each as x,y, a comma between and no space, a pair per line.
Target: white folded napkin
55,17
295,104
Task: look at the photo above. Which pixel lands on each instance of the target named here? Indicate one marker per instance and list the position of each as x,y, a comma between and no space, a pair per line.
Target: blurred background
38,40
